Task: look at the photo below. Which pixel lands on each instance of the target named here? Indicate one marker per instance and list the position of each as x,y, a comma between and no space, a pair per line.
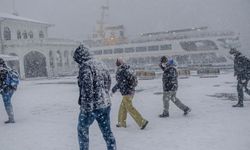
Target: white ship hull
187,52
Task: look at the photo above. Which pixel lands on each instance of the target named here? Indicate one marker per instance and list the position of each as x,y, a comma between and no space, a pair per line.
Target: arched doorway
35,65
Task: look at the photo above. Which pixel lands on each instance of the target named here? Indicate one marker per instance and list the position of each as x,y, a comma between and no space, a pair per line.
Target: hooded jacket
241,67
169,78
93,80
123,75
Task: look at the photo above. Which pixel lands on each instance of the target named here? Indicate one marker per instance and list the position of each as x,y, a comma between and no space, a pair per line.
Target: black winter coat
169,79
242,67
123,75
94,83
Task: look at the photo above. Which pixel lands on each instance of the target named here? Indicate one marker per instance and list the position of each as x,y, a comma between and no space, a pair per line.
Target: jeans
6,95
171,95
102,116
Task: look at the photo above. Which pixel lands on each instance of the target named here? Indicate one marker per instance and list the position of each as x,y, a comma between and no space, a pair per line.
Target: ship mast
100,24
14,12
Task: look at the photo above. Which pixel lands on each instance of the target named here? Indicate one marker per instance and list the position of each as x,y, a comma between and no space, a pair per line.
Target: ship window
121,34
153,48
141,49
7,33
129,50
118,50
201,45
107,51
97,52
227,43
166,47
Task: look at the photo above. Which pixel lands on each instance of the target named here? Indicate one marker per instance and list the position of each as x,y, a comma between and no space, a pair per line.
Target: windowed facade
7,33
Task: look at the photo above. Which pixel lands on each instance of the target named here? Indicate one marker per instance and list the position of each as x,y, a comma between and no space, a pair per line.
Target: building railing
45,41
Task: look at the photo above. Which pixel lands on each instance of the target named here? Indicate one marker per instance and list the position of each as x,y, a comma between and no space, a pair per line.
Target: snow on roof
8,57
14,17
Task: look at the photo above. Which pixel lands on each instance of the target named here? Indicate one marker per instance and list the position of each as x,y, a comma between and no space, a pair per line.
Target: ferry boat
191,48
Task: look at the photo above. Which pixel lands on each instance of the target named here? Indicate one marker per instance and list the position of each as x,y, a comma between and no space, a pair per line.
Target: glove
162,66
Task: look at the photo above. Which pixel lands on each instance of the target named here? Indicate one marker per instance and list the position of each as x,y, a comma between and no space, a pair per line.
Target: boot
144,125
9,121
121,125
186,111
164,115
10,113
238,105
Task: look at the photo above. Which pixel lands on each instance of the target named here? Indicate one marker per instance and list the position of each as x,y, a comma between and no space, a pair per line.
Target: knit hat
2,63
234,51
119,62
81,54
164,59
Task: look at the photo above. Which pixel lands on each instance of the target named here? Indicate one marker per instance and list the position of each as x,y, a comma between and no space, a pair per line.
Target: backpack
12,79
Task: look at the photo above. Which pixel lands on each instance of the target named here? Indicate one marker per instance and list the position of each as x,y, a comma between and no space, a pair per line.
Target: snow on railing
45,41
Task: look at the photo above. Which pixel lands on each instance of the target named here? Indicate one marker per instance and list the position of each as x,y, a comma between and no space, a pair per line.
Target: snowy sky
76,18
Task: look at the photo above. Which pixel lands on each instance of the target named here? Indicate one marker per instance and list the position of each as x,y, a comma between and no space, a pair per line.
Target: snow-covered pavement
46,114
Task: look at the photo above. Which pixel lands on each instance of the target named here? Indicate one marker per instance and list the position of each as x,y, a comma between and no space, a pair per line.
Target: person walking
8,84
241,71
170,86
126,83
94,85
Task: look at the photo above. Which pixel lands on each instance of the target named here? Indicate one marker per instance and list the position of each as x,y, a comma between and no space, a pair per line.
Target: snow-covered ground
46,118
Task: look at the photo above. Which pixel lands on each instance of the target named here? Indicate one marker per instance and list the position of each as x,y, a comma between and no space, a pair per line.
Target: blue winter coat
7,84
169,79
123,75
94,83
